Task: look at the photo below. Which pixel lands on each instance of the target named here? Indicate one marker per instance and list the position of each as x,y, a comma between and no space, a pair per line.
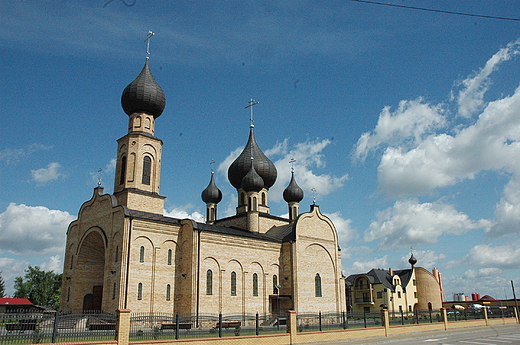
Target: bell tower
138,167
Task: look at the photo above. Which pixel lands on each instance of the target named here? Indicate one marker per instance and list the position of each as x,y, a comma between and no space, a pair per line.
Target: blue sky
406,122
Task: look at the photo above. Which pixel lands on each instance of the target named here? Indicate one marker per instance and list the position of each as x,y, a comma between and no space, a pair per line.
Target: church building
123,252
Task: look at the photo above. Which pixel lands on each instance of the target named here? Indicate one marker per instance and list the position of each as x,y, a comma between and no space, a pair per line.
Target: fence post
485,315
344,320
256,324
320,321
445,318
55,327
402,317
365,317
516,314
292,326
386,321
123,326
431,321
220,325
177,326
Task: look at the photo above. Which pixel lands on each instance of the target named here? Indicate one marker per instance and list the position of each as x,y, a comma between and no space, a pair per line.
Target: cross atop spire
313,195
252,102
292,161
211,165
147,40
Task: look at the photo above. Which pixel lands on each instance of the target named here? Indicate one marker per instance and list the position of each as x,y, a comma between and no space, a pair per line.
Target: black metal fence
52,327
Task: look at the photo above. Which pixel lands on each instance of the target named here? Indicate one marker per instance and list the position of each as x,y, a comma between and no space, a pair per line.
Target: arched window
169,256
122,176
317,285
141,254
71,261
209,282
254,203
168,289
429,306
117,254
140,291
233,284
263,199
275,285
255,284
147,169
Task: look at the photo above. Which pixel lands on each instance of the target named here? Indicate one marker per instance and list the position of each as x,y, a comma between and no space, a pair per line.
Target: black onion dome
211,194
241,166
293,192
252,182
143,95
412,260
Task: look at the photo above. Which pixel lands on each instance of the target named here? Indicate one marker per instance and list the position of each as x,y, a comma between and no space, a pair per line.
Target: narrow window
263,199
114,291
140,291
254,203
123,170
255,284
233,284
275,285
398,294
141,254
147,169
71,261
414,283
68,294
209,282
169,256
117,254
242,198
317,285
168,289
429,306
415,294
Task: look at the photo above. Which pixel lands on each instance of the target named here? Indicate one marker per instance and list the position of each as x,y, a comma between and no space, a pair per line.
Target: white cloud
33,230
483,281
12,156
507,211
505,256
182,213
12,268
106,173
427,259
367,265
409,222
53,263
343,227
44,175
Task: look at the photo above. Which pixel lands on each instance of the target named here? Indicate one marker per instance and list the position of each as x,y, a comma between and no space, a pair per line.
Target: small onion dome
242,165
143,95
252,182
211,195
293,192
412,260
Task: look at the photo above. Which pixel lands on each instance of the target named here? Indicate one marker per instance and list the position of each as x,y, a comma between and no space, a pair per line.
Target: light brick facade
123,253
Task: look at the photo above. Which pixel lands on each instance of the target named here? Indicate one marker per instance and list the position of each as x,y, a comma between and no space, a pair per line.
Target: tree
40,287
2,286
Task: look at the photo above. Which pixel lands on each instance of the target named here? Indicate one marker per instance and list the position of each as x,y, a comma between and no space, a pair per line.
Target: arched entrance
90,271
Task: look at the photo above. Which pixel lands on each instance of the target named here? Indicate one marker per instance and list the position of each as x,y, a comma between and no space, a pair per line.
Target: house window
415,294
380,294
140,291
233,284
410,308
141,254
414,283
123,170
366,297
398,294
255,284
168,289
169,256
209,282
366,309
275,285
317,285
147,169
400,308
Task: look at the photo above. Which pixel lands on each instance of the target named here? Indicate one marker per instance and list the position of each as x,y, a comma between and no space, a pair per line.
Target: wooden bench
182,325
229,324
20,326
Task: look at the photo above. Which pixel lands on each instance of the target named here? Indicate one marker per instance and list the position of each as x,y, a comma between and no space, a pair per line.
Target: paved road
490,335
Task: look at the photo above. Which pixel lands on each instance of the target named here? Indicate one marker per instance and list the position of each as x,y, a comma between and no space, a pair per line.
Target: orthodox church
123,252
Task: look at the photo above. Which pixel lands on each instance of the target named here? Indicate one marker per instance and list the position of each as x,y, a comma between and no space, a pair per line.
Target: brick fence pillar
386,320
292,326
123,326
445,318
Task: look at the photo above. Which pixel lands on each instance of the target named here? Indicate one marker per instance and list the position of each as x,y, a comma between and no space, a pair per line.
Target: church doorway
90,267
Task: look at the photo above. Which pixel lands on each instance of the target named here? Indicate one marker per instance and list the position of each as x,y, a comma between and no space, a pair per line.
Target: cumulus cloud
343,227
506,256
53,263
489,281
507,211
11,268
367,265
33,230
425,258
102,174
44,175
409,222
182,213
423,151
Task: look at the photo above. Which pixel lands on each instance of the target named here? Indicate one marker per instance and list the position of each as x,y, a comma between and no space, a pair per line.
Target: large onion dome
242,165
143,95
252,182
293,192
211,195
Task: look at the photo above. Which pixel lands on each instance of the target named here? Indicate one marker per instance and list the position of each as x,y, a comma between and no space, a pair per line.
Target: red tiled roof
15,301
